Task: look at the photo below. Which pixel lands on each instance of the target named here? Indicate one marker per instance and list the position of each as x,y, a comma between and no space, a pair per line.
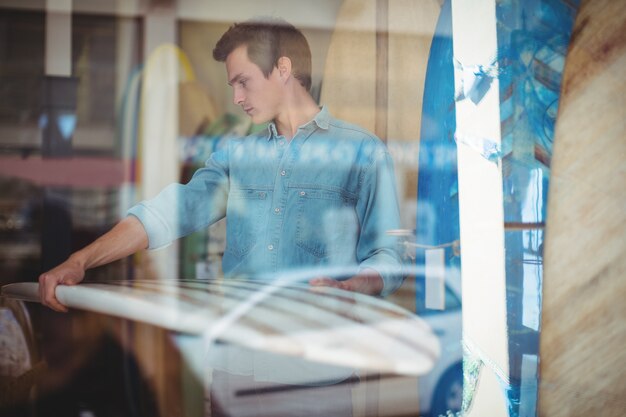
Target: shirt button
281,142
270,247
283,172
277,210
302,193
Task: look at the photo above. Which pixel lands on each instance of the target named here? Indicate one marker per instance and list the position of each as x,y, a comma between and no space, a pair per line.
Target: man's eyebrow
234,79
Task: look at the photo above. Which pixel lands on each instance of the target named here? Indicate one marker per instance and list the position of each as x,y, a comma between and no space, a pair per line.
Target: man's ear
284,67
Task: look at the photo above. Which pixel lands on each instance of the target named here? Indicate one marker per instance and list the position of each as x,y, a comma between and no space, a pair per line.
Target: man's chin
258,120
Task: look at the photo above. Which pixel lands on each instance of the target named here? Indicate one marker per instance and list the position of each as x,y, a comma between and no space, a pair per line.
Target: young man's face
261,98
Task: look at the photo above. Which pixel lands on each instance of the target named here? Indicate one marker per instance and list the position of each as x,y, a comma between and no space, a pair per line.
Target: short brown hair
268,39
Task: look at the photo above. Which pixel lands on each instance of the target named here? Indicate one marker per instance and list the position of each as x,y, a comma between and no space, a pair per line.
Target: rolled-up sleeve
180,209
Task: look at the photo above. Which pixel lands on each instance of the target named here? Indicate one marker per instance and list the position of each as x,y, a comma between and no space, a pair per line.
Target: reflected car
441,390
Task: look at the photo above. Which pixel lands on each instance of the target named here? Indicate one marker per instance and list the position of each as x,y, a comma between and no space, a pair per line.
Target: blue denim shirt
326,198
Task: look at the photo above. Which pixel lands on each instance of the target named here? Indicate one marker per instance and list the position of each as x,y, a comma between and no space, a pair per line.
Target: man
309,192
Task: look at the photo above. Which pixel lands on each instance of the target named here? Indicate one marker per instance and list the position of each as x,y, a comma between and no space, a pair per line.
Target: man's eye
243,83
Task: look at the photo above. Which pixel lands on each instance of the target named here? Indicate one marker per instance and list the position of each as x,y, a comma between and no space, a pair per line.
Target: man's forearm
124,239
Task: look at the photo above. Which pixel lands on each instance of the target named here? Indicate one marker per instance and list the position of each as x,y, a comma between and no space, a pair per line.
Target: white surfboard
324,324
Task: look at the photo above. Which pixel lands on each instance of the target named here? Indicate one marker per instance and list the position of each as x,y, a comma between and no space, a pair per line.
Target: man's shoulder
348,131
351,128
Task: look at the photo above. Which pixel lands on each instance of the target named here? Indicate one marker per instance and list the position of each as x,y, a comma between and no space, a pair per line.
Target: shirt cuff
156,227
389,268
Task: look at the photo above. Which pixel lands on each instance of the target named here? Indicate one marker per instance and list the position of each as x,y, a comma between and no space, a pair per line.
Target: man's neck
299,110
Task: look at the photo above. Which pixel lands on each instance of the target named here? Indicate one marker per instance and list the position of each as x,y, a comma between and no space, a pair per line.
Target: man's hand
70,272
126,238
368,281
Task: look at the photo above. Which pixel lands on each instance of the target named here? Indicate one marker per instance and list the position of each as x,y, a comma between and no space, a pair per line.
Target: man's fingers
47,288
43,278
324,282
328,282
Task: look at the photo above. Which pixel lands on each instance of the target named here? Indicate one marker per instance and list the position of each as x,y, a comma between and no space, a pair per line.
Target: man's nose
237,97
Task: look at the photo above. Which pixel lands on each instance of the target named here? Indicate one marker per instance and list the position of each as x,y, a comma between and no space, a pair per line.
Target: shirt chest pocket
244,219
326,223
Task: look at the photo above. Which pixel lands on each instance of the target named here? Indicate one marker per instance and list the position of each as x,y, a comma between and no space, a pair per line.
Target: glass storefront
504,122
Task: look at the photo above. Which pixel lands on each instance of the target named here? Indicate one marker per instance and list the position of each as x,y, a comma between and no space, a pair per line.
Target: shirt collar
321,119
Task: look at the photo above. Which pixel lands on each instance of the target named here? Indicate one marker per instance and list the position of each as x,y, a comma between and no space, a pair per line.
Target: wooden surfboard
324,325
374,77
376,65
583,333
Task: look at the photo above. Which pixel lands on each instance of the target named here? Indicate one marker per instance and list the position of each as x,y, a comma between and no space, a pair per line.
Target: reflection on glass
480,114
530,46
